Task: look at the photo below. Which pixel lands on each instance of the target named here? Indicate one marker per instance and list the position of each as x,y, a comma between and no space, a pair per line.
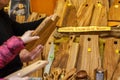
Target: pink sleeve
10,49
2,79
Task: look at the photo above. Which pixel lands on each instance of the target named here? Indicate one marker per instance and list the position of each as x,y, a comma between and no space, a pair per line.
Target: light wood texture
61,56
84,14
103,2
44,30
29,69
76,3
69,73
118,78
106,3
35,16
32,17
72,59
68,15
112,44
59,10
99,18
117,70
89,50
59,7
68,18
114,11
111,54
113,23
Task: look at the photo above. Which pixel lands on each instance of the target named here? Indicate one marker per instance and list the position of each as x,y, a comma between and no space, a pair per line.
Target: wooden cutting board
89,50
111,55
112,45
85,10
68,18
68,15
29,69
44,30
61,56
114,11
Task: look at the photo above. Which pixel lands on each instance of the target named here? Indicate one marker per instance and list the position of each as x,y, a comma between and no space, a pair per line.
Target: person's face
3,3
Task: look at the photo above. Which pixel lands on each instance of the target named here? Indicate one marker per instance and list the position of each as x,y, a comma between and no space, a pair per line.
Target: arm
13,46
9,50
20,28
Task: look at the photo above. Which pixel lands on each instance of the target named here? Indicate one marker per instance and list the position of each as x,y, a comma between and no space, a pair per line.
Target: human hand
26,56
26,37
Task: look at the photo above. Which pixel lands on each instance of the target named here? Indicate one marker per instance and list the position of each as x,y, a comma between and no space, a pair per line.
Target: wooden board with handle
44,30
84,15
68,18
112,44
111,56
89,50
81,22
72,59
29,69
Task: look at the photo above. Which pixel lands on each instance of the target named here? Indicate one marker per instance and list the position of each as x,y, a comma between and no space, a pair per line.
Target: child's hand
26,55
26,37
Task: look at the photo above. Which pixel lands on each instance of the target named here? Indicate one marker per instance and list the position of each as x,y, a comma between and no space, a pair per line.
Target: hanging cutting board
68,18
68,15
112,45
44,30
115,11
111,55
29,69
84,14
89,49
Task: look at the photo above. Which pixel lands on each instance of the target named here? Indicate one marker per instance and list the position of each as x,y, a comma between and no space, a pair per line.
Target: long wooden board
84,15
29,69
89,49
81,22
112,45
68,18
72,59
111,55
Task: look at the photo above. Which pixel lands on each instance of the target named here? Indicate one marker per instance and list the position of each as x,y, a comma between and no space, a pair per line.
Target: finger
35,55
37,51
35,37
37,48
